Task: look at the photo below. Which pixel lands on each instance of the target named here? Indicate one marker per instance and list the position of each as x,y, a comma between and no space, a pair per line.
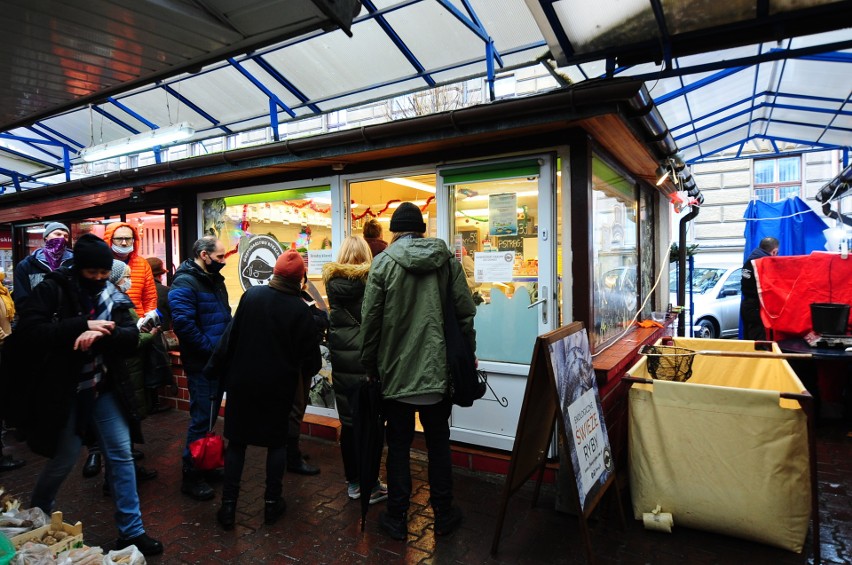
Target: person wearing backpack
404,347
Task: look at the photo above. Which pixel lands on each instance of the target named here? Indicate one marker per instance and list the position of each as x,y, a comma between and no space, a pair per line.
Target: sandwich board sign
562,391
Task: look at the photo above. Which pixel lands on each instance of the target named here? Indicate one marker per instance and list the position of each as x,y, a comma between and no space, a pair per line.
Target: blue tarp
793,223
798,233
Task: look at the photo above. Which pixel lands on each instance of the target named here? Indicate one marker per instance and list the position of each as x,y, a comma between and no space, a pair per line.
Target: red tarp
788,285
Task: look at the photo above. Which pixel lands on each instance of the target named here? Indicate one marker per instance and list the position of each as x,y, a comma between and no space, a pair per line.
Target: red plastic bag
208,453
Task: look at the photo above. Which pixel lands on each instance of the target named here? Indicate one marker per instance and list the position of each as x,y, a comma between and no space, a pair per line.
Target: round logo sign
257,260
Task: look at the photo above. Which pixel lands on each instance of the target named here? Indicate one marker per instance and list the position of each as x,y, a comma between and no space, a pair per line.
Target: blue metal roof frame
717,95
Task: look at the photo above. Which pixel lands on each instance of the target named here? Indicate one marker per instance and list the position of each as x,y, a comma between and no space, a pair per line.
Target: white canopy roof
723,74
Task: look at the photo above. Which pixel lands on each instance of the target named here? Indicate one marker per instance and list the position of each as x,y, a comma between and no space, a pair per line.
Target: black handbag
466,382
157,364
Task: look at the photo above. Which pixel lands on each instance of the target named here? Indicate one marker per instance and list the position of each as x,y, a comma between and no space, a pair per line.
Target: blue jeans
200,391
114,440
399,435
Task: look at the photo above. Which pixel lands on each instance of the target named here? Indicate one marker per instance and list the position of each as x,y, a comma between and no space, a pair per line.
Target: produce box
64,536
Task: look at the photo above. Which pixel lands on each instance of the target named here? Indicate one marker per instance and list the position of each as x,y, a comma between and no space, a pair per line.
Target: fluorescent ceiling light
478,212
139,142
486,196
663,174
418,203
412,184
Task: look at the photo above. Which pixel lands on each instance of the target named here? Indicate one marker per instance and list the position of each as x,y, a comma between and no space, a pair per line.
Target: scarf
54,249
93,370
287,286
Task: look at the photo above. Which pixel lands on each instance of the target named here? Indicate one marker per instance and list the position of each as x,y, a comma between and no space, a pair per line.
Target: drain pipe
681,270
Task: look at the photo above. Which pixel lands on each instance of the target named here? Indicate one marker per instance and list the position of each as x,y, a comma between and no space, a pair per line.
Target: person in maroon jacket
373,236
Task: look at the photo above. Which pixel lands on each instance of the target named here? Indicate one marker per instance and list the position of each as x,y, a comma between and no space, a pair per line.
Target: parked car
619,288
715,299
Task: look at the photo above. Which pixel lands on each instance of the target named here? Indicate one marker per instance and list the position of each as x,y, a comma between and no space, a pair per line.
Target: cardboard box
74,539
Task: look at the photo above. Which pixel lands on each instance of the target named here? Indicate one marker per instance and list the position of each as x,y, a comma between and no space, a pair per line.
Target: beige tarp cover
722,452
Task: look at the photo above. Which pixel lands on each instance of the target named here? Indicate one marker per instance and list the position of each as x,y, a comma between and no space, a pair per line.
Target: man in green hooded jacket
404,347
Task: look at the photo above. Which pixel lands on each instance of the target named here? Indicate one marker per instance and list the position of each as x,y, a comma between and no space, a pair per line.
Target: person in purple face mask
33,268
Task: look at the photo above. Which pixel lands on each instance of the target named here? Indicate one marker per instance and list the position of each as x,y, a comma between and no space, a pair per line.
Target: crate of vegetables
57,535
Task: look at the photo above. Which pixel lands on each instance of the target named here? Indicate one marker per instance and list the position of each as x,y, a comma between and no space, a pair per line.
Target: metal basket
669,363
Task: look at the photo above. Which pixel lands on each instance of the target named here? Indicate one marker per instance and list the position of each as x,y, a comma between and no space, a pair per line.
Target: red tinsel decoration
244,223
367,211
383,210
299,206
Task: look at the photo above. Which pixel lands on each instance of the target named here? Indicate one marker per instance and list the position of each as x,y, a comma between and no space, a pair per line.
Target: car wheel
705,329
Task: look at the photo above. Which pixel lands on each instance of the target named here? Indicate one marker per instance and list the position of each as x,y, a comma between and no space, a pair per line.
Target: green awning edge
275,196
510,169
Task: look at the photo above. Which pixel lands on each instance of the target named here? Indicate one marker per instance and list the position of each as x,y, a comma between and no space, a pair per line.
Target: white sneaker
353,491
379,493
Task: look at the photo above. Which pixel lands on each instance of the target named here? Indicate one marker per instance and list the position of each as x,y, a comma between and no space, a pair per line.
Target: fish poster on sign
591,455
503,214
258,254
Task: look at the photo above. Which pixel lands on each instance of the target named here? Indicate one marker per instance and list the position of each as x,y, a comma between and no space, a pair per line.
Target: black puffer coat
50,321
344,285
270,343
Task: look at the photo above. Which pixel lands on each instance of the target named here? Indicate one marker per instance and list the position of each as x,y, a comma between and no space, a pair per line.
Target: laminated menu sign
588,439
503,214
576,385
493,266
316,259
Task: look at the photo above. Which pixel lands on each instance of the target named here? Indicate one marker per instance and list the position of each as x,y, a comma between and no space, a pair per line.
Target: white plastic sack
15,522
34,554
128,556
81,556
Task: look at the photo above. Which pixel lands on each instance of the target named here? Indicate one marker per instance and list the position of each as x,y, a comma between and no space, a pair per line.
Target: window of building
777,179
616,289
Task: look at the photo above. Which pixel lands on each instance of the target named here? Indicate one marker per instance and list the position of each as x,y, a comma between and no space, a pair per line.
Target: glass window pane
297,219
788,169
615,256
787,192
378,198
646,233
497,218
764,171
765,194
256,228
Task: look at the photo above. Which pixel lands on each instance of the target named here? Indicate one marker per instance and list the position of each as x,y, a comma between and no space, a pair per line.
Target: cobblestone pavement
322,525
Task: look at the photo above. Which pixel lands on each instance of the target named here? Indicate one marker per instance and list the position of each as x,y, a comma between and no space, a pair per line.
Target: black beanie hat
91,252
407,218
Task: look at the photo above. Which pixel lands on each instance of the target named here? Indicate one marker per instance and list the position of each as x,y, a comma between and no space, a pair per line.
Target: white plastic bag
20,521
81,556
129,555
34,554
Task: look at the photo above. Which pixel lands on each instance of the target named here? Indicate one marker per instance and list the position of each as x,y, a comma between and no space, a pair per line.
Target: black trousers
235,459
399,435
752,324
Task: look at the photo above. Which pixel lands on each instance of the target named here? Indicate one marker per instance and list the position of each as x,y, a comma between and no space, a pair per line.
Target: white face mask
125,286
122,249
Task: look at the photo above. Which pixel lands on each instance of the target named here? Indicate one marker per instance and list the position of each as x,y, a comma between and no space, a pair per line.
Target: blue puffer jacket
200,313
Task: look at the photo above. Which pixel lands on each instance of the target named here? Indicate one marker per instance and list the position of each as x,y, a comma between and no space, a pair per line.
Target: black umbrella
370,437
